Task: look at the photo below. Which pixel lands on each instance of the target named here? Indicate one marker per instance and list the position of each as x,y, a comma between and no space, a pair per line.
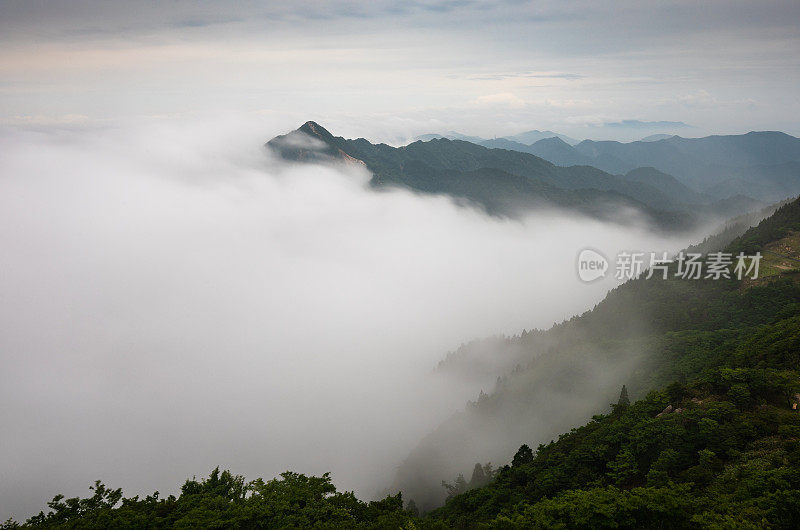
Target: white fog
174,300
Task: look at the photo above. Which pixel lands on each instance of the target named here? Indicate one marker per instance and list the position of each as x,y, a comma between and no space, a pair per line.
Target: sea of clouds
174,299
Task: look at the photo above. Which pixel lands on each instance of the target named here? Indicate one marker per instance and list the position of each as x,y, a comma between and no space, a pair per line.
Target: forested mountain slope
645,334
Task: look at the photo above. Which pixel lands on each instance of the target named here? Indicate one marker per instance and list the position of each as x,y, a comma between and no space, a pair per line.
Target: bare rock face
667,410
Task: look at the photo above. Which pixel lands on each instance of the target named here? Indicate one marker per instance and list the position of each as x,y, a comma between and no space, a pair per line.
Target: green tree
624,401
456,488
524,456
478,477
623,469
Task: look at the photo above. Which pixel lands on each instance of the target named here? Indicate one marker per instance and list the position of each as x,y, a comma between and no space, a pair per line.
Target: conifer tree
623,401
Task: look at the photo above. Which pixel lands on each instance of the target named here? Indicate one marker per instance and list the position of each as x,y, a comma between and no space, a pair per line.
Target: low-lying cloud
173,300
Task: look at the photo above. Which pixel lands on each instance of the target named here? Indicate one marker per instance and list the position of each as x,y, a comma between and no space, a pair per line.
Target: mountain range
510,179
763,165
525,138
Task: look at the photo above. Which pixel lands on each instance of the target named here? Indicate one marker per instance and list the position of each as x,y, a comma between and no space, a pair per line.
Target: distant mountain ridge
534,136
524,138
450,135
764,165
502,181
656,137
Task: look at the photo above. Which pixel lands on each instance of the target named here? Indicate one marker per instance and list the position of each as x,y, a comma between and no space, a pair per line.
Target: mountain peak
316,130
553,141
311,142
531,137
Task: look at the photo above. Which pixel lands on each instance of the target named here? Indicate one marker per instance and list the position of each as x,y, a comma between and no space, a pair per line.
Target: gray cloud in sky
647,125
354,64
628,18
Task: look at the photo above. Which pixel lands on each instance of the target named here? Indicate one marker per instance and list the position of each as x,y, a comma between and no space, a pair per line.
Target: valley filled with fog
176,299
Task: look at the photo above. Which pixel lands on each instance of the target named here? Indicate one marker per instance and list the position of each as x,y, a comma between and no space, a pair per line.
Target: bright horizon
388,72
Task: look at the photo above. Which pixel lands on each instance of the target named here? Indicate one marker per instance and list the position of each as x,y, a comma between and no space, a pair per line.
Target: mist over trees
713,441
644,335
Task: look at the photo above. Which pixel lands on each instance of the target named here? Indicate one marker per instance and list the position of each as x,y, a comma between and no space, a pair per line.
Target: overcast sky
387,70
